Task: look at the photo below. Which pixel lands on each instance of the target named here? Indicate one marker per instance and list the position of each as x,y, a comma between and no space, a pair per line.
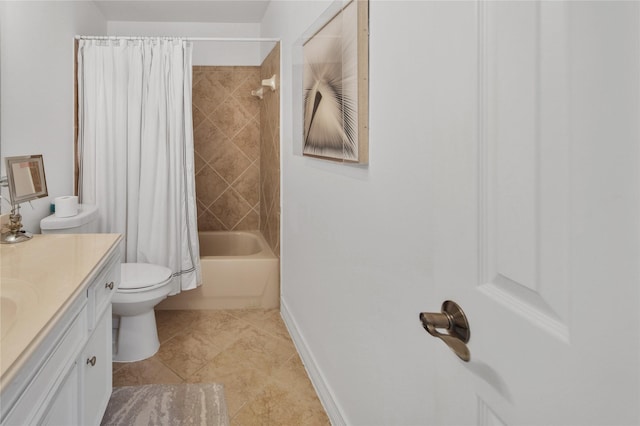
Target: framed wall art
335,86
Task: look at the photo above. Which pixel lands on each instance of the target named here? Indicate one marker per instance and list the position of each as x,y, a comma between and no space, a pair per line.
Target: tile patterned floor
249,351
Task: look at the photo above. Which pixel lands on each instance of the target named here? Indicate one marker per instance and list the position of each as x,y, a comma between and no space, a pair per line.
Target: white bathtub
239,271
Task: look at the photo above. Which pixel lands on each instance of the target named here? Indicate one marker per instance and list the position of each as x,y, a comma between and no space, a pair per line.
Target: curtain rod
237,39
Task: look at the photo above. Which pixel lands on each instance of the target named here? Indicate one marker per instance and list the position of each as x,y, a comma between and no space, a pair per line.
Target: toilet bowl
142,287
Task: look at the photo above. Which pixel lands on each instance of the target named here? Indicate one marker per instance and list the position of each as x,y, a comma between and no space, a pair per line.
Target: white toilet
142,287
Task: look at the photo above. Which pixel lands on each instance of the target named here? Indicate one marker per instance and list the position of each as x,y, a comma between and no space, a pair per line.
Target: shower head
270,82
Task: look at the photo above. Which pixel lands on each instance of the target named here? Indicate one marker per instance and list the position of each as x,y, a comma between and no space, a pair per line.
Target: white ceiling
234,11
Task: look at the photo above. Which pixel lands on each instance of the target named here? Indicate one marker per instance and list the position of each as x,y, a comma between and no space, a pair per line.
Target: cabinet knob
109,285
92,360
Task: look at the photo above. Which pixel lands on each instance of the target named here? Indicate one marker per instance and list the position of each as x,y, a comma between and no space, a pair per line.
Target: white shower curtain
135,144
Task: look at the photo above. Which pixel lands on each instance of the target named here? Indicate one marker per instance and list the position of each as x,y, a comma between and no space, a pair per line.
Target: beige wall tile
198,116
248,185
227,142
236,138
248,140
208,222
230,117
208,94
229,161
243,95
270,155
232,77
198,162
209,185
207,140
250,222
230,208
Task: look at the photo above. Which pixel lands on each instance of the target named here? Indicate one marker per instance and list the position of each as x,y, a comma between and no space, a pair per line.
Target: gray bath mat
182,404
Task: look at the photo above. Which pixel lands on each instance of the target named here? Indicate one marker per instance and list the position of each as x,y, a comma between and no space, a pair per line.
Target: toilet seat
141,277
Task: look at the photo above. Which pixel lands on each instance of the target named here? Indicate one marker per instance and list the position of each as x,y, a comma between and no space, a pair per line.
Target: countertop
39,279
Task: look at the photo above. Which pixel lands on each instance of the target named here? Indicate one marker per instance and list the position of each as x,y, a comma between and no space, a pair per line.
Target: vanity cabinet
67,380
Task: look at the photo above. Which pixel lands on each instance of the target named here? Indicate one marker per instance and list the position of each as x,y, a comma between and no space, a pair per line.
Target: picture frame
335,86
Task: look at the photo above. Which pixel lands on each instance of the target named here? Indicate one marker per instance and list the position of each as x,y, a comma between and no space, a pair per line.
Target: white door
538,219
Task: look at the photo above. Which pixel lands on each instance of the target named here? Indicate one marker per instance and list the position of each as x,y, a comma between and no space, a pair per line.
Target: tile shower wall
270,154
226,123
237,149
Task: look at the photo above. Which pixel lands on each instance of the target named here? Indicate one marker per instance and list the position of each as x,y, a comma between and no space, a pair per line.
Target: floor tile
146,372
187,352
249,351
170,323
240,383
276,405
267,320
294,376
220,327
259,350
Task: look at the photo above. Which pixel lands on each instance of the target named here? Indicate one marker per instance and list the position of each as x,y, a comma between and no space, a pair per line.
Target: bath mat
181,404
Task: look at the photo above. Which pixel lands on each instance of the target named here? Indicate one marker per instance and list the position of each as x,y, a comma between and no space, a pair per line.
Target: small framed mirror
25,176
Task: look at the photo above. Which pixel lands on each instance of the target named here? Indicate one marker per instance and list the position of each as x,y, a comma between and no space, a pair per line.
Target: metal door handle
453,320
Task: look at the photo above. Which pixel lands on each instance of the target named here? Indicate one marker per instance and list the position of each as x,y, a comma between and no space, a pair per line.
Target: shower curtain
135,149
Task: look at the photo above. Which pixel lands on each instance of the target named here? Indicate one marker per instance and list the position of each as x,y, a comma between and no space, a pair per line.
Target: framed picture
335,87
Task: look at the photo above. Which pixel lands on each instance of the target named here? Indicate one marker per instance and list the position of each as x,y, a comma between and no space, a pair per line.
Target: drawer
102,289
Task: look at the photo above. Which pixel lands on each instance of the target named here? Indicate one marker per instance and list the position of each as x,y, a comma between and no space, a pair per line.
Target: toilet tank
85,222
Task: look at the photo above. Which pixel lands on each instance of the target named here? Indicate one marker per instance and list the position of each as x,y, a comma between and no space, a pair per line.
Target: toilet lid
141,275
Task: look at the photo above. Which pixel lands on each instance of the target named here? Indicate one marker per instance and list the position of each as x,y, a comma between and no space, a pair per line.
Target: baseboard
317,379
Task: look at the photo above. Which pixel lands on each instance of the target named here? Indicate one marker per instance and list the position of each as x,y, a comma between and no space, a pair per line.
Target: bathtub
239,271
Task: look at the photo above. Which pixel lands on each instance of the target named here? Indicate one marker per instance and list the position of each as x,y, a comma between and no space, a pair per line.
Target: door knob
453,320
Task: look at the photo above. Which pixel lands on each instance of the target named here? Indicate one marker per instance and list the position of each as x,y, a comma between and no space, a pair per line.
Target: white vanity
55,328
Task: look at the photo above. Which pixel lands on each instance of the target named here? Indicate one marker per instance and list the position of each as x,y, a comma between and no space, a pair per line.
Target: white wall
36,81
356,262
204,52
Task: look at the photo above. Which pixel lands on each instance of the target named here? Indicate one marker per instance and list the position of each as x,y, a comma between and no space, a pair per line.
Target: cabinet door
96,363
64,409
55,380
